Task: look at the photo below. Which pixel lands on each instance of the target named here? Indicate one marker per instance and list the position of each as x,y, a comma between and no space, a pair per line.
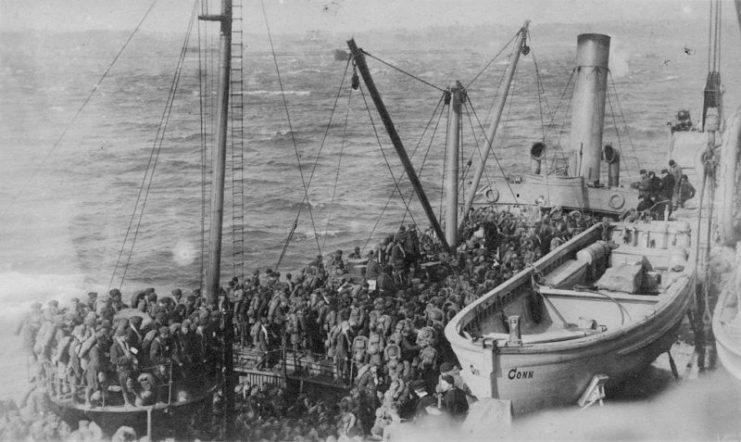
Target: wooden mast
498,108
457,97
218,159
359,58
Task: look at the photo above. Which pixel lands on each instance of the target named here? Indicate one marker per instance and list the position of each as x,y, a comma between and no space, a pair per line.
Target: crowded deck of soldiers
376,317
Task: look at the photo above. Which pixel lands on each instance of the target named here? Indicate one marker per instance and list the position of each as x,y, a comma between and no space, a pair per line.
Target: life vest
147,341
375,346
360,347
427,336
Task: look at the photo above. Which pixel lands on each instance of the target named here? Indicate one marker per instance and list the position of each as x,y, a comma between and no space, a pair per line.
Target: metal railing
61,389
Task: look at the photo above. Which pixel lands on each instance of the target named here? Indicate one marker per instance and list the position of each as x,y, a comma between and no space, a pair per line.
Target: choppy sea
65,209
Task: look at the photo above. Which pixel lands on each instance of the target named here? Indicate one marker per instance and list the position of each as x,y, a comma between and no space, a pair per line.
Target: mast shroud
359,58
496,116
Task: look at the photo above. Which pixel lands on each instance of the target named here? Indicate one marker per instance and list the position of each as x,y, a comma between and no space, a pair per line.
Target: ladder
236,133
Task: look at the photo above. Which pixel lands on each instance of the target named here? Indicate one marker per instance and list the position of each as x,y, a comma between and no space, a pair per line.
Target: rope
288,241
153,158
561,128
625,121
290,126
511,40
706,314
316,162
385,158
541,92
87,99
339,165
513,86
427,152
414,152
493,154
404,72
699,224
477,148
201,93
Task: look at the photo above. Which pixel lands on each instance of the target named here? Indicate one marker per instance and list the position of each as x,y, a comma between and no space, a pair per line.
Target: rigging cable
552,123
311,175
87,99
711,169
509,108
492,60
490,145
385,158
427,152
541,92
290,126
477,147
625,121
201,91
339,165
513,85
617,129
153,159
404,72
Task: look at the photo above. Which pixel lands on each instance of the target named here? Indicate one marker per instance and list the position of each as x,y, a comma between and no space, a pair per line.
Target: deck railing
61,389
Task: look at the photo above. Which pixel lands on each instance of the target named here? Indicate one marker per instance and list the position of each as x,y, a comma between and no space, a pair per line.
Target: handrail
62,389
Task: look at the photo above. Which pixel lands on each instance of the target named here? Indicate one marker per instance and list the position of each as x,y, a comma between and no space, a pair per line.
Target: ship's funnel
588,106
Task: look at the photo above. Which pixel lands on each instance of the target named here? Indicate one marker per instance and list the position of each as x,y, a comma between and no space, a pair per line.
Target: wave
20,290
305,71
266,92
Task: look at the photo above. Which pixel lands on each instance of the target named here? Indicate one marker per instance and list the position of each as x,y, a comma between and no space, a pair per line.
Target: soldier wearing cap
124,361
452,399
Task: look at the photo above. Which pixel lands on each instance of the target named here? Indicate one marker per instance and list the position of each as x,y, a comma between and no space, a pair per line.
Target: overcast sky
288,16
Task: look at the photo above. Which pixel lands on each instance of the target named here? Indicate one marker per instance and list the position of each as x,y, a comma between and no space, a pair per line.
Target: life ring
492,195
617,201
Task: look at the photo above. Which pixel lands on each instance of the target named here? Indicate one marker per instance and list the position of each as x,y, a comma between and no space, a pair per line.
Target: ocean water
64,210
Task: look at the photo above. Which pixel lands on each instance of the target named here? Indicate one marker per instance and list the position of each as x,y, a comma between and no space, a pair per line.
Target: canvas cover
625,278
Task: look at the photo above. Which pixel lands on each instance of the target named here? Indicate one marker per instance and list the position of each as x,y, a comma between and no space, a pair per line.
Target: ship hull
162,419
728,336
